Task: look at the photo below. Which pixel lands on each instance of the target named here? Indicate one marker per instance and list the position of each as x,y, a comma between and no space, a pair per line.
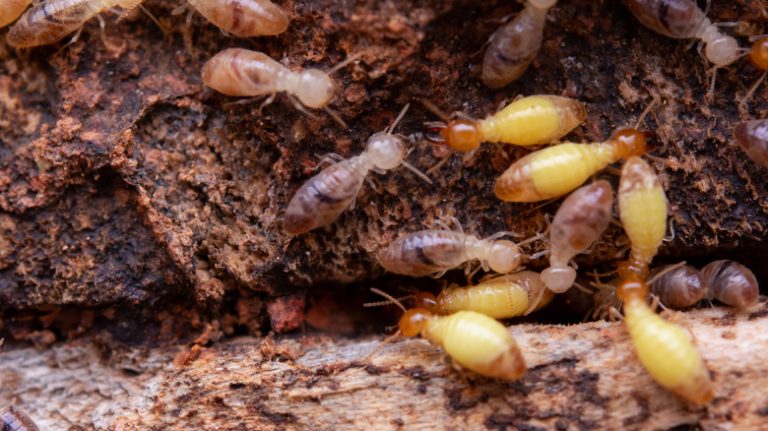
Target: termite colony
463,320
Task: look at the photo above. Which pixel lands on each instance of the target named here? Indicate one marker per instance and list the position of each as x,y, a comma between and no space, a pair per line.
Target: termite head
631,142
316,88
459,135
722,51
385,150
558,279
759,53
424,300
503,256
413,321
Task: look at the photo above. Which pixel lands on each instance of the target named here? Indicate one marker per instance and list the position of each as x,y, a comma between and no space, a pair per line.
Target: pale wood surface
580,377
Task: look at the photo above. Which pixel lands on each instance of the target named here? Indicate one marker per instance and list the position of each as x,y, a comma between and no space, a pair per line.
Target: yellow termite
513,47
502,297
665,349
558,170
52,20
532,120
12,9
473,340
643,213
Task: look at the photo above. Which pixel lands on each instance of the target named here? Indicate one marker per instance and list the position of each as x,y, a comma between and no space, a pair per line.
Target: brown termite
13,419
12,9
752,137
512,48
50,21
246,73
731,283
579,222
683,19
321,199
244,18
678,286
435,251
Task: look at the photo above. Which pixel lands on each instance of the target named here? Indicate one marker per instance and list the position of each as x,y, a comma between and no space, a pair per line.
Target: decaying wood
580,377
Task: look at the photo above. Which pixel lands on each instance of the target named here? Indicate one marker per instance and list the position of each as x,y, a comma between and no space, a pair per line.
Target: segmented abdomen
324,197
244,18
679,19
242,72
425,252
512,48
51,21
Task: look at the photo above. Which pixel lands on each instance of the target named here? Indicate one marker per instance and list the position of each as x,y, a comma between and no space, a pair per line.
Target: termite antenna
431,107
661,273
381,346
391,298
152,17
397,120
336,117
646,112
383,303
416,171
345,62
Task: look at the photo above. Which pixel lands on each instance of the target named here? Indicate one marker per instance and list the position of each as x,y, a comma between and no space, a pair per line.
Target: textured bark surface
143,209
582,377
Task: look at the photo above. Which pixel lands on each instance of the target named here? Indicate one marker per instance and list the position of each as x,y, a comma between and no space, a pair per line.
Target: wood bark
140,224
580,377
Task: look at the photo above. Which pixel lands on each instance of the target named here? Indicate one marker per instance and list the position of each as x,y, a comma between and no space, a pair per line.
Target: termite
758,54
12,9
433,252
555,171
678,286
502,297
244,18
50,21
643,213
752,137
321,199
246,73
731,283
579,222
475,341
683,19
664,348
13,419
513,47
532,120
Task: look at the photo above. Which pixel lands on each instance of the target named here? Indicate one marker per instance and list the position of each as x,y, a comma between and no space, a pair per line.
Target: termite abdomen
731,283
679,287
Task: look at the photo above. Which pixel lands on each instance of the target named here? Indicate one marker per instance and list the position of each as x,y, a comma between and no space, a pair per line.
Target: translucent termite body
50,21
532,120
731,283
558,170
512,48
13,419
643,213
752,137
246,73
244,18
683,19
664,348
321,199
475,341
502,297
579,222
12,9
429,252
678,286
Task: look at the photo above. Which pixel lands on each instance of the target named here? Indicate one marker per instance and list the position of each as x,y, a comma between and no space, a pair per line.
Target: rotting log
141,209
580,377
